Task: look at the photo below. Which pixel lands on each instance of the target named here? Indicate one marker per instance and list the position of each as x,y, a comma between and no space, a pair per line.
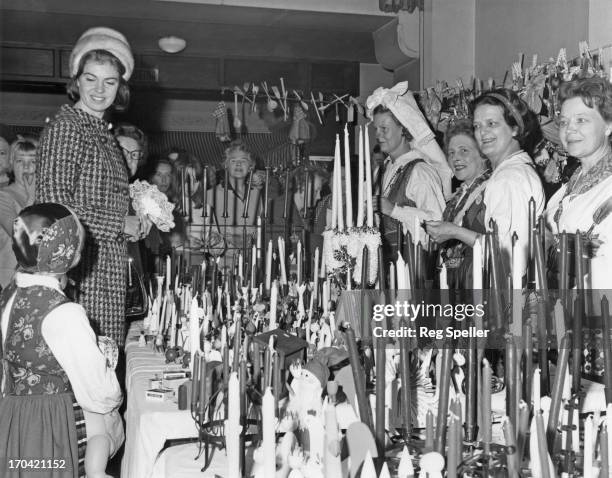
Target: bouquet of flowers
149,201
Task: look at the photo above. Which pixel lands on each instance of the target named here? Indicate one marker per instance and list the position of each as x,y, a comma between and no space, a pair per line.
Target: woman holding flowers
81,166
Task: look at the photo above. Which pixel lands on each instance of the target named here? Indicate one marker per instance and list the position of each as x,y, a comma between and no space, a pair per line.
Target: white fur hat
103,38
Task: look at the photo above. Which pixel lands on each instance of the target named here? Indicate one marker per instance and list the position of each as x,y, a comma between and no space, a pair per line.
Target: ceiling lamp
172,44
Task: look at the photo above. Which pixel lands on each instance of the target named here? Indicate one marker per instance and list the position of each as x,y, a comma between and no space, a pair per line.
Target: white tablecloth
148,424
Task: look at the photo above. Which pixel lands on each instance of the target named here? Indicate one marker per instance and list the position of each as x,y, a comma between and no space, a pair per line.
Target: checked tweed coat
81,166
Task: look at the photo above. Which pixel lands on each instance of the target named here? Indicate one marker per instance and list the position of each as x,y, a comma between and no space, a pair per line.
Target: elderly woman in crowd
81,166
585,202
460,219
415,176
228,210
133,143
14,197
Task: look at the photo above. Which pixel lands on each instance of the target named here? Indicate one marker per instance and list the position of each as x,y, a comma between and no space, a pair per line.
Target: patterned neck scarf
458,201
580,182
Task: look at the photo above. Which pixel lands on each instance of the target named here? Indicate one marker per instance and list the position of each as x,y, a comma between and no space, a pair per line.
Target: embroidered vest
397,189
29,365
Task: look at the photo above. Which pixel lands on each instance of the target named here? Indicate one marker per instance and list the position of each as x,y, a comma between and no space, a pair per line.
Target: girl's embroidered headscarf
400,101
47,238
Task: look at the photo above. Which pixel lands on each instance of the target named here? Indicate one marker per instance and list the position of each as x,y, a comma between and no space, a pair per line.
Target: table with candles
148,424
504,408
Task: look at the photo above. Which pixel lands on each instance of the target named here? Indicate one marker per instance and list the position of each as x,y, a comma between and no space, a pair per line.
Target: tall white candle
347,178
233,428
360,180
240,269
392,276
273,301
338,186
281,253
443,277
269,433
400,266
299,262
269,265
588,446
331,460
368,179
535,391
315,291
326,294
173,318
168,272
335,192
253,266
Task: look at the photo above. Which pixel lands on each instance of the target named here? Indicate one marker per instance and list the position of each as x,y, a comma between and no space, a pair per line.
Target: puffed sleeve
425,189
73,343
62,152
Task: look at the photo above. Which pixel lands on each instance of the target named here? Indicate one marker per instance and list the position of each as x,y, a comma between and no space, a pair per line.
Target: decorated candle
338,187
347,177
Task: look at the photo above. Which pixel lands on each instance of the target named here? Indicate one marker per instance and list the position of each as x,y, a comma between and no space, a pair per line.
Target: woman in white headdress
416,177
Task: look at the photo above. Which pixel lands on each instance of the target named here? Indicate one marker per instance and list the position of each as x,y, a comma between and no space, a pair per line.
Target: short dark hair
122,99
380,109
595,93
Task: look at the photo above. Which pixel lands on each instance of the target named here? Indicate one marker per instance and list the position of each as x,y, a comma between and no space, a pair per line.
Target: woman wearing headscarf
416,177
81,166
53,370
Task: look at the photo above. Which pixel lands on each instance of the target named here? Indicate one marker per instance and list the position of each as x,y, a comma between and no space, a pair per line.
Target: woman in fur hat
81,166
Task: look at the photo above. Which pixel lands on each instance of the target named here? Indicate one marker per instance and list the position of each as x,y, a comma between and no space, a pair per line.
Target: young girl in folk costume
58,394
415,178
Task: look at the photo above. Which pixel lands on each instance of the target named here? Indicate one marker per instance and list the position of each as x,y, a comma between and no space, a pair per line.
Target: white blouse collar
23,279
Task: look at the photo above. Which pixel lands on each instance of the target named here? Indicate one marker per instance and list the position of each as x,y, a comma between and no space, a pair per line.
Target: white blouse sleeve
73,343
425,190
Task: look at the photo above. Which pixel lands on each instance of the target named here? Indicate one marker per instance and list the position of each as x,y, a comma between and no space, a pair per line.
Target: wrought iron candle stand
485,466
211,433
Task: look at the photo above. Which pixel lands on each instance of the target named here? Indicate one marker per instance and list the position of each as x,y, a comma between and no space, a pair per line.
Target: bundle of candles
347,243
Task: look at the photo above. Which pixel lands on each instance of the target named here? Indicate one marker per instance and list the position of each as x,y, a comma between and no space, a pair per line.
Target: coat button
103,140
120,238
124,191
115,189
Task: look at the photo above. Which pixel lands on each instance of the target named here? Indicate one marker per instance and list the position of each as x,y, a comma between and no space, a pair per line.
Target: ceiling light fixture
172,44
